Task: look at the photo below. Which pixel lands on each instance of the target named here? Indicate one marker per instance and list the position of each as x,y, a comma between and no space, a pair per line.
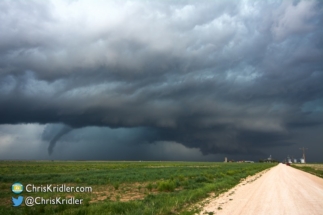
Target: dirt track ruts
281,190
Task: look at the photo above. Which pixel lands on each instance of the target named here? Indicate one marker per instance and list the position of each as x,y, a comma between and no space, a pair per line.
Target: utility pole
303,149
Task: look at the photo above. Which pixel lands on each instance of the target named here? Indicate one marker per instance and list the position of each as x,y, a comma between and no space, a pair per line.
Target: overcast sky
161,80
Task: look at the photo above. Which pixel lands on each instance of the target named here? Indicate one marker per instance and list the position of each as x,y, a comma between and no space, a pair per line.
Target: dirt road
281,190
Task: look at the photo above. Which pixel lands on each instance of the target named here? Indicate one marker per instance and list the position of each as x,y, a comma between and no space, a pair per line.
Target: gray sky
161,80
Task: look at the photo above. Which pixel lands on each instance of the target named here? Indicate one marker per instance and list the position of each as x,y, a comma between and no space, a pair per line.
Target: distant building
302,160
289,160
225,160
268,160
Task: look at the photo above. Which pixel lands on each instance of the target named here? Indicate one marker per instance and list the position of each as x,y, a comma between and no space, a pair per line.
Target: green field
134,188
315,169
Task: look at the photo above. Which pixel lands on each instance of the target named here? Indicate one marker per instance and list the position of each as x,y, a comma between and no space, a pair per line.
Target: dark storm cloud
223,76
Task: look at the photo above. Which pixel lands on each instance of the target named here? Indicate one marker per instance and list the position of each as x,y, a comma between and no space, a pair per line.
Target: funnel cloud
61,133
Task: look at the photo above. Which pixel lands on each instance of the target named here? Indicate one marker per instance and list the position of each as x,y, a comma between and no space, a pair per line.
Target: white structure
295,160
289,160
302,160
269,158
225,160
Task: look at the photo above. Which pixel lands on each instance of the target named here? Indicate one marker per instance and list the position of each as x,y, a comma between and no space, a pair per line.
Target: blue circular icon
17,188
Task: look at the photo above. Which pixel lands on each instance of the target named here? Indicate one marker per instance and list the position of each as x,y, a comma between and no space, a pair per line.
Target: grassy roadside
123,187
315,169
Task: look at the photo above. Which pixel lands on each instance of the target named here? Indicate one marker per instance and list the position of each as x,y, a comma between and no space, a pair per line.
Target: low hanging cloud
222,76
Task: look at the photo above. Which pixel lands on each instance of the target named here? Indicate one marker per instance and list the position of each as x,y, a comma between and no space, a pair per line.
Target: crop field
315,169
134,188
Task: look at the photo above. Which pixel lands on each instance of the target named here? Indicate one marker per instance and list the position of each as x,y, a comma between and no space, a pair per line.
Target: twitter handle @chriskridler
31,201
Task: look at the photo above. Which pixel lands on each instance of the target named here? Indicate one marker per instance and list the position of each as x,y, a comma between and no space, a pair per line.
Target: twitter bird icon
18,201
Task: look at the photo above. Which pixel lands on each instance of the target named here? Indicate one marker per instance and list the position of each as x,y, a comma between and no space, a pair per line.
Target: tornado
62,132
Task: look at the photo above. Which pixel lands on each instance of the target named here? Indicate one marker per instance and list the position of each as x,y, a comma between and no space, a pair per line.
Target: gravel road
281,190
